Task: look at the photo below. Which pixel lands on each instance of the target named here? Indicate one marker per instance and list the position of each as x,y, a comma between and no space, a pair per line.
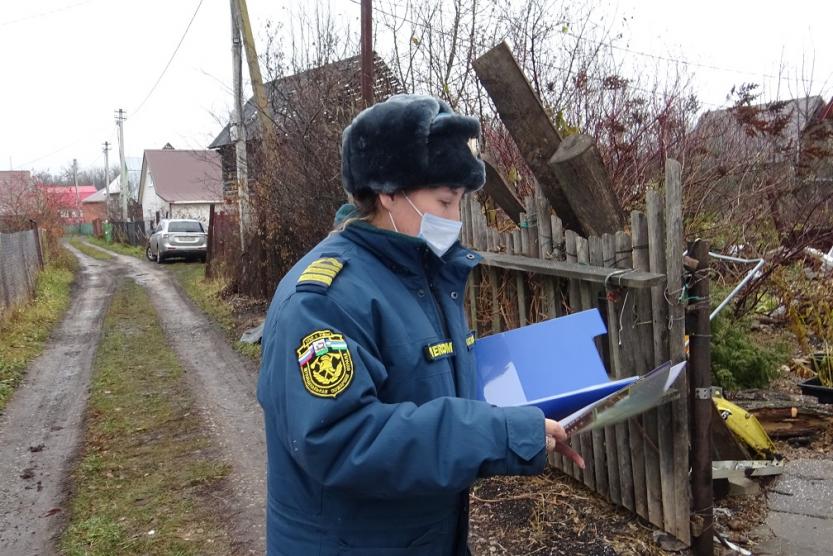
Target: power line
681,61
44,14
470,42
170,60
663,58
47,155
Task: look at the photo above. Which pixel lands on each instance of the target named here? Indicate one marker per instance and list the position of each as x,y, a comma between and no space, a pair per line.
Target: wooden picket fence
539,270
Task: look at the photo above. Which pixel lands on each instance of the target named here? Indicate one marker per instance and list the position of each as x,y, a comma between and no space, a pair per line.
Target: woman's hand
557,442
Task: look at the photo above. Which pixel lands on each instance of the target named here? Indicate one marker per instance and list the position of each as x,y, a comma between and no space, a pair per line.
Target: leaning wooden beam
625,278
575,182
526,120
579,168
500,191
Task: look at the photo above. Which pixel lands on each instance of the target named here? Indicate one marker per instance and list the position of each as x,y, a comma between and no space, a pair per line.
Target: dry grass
552,514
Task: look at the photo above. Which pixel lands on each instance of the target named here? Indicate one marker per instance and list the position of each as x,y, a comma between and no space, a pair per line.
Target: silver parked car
177,238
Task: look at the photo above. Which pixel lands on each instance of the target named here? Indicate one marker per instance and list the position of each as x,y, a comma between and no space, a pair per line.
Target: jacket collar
406,254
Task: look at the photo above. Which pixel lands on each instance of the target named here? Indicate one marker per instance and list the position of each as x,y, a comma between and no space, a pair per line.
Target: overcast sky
66,65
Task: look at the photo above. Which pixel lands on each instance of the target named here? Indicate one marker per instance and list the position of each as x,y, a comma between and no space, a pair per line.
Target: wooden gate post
209,248
38,245
702,408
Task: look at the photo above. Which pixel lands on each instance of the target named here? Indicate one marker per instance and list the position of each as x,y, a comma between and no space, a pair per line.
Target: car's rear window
185,227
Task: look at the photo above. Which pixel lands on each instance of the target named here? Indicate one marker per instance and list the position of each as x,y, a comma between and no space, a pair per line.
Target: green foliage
565,128
121,248
89,251
739,359
823,365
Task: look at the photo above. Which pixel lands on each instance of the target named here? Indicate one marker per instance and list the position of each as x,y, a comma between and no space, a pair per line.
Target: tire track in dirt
42,426
224,385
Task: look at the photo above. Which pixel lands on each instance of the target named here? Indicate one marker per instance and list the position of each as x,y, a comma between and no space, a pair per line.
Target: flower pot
813,387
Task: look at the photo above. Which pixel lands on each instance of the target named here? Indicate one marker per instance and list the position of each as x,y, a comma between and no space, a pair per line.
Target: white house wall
151,202
195,211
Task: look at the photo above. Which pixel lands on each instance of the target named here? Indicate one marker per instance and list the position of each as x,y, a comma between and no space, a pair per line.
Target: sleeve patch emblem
325,362
470,339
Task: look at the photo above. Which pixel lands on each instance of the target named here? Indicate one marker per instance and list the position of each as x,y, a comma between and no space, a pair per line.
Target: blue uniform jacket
366,383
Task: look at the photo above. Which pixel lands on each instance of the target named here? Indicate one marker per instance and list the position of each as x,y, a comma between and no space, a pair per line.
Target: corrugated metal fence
20,262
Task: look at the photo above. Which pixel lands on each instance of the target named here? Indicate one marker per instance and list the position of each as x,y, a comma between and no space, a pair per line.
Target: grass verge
121,248
145,482
206,294
24,331
89,251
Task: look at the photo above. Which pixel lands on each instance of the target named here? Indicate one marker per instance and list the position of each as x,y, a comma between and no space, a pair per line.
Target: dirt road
224,383
42,425
41,429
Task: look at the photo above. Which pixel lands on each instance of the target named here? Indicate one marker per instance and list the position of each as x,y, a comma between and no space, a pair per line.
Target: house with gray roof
179,184
786,143
768,133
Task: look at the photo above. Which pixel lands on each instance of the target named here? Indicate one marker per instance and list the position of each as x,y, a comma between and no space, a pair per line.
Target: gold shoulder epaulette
321,273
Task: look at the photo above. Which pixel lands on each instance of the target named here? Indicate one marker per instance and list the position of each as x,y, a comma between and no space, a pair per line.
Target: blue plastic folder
553,365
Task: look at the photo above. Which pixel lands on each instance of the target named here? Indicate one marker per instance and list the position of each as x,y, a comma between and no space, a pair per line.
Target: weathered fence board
573,271
542,269
677,302
587,302
642,349
20,262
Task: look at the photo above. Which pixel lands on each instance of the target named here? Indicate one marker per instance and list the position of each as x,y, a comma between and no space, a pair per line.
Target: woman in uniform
367,375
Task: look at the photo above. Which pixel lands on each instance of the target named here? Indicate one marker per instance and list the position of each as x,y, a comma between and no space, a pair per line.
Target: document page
646,393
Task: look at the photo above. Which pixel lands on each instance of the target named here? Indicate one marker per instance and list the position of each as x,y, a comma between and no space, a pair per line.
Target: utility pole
75,179
367,52
254,69
107,179
238,126
123,192
268,150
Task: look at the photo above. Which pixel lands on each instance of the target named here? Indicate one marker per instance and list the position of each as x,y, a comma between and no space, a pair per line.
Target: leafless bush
571,64
313,95
24,202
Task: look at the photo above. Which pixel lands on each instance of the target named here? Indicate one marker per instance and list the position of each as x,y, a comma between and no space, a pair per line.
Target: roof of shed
726,136
280,90
186,176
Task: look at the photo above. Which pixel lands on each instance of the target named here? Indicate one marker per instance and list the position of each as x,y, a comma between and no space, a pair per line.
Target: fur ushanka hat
408,142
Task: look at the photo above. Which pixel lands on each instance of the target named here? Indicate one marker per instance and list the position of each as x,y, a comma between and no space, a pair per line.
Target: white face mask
438,232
